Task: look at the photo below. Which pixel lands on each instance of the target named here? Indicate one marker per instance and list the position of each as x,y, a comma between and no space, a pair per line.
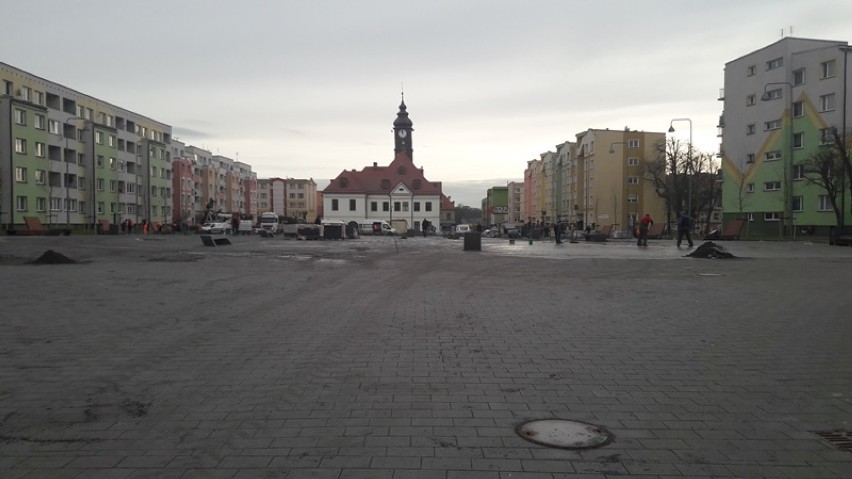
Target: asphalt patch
711,250
52,257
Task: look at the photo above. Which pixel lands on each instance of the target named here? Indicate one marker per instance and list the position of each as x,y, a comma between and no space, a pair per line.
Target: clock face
402,133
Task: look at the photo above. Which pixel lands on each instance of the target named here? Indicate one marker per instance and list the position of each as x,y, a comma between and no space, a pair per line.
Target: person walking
644,224
684,224
557,232
425,227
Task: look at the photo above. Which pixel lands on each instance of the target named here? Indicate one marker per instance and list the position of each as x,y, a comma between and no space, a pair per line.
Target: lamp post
788,159
688,162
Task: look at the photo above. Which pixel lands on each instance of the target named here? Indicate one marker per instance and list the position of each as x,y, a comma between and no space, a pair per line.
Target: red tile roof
382,179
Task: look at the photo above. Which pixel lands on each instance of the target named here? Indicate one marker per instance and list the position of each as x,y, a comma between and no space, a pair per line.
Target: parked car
461,230
215,228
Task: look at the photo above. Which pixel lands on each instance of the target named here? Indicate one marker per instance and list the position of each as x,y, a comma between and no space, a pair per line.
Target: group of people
684,226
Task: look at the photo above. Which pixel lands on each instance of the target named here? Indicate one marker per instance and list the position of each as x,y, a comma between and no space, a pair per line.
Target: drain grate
840,439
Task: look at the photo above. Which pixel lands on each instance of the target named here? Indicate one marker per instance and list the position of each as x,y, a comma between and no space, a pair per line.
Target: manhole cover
564,434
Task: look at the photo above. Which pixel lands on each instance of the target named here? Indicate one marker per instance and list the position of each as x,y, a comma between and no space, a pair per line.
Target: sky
307,89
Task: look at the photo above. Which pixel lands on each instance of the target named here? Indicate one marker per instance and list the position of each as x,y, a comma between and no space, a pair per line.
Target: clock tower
402,132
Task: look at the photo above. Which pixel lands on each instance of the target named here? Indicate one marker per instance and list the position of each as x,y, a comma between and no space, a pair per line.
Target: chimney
375,164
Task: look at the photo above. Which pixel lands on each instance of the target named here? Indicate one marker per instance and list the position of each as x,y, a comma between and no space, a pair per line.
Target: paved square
383,358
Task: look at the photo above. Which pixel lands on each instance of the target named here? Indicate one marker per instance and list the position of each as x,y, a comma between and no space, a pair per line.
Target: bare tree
828,168
667,174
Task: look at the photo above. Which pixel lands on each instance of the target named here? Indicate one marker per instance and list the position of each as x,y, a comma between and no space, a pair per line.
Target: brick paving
382,358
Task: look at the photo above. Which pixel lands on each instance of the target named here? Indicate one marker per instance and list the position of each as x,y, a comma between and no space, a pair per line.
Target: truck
269,221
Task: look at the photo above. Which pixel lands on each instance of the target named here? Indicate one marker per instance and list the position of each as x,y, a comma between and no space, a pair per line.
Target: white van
366,228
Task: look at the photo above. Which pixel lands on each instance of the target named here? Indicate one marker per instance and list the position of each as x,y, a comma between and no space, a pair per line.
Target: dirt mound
52,257
711,250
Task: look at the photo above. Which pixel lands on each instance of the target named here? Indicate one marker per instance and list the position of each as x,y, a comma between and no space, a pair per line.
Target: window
112,186
99,138
112,163
385,206
81,183
798,109
750,158
797,203
633,143
826,136
374,206
25,93
751,100
21,203
772,155
825,203
100,207
772,125
397,206
772,216
775,63
799,76
40,176
416,206
39,150
633,198
632,180
38,121
404,206
798,172
798,140
428,206
99,161
334,204
826,102
55,203
750,129
827,69
100,184
749,188
41,204
20,174
751,70
772,186
53,126
21,146
352,205
632,161
20,116
773,94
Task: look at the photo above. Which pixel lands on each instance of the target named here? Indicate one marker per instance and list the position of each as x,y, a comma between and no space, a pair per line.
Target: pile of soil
52,257
711,250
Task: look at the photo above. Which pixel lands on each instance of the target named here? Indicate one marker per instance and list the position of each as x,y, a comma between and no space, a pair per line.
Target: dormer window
416,184
344,182
401,170
386,184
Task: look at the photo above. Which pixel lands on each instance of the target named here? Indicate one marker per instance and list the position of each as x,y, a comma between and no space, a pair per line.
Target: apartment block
73,160
608,183
782,104
515,201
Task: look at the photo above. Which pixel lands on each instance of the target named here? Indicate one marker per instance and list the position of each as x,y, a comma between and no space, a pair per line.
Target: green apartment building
781,106
77,162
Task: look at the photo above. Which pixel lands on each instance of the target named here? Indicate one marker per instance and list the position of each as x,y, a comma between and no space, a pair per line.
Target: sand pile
52,257
711,250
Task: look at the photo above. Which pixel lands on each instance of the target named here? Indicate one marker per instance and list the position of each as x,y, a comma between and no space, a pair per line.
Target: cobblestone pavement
406,359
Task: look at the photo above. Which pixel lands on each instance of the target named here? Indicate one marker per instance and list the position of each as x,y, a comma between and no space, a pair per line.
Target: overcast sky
308,88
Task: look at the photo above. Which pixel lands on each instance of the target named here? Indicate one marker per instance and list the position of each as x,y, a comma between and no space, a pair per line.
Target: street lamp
688,161
788,159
